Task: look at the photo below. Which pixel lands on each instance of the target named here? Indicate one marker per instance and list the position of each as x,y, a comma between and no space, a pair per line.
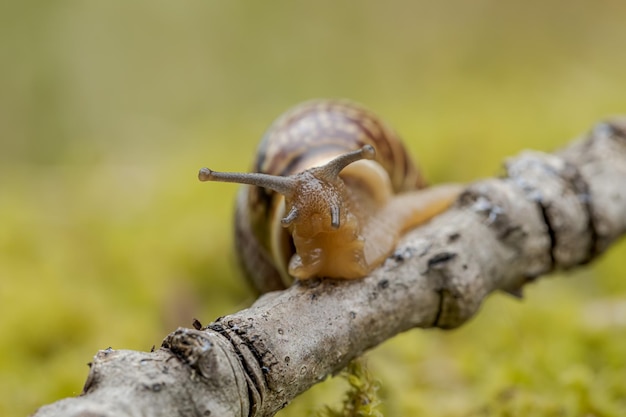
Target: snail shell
342,192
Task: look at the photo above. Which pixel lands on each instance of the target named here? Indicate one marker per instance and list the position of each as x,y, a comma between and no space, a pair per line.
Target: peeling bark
549,212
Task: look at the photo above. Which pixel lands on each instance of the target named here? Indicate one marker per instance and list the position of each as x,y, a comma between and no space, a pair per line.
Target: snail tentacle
283,185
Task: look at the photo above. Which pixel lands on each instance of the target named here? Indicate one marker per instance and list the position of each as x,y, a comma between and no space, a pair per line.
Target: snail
332,192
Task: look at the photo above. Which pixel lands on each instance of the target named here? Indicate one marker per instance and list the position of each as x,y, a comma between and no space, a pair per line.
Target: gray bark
548,212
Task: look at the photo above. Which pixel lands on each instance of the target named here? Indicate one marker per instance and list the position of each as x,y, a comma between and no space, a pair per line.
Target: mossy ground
107,239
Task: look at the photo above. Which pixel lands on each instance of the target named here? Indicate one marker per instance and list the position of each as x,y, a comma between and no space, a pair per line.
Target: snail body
332,192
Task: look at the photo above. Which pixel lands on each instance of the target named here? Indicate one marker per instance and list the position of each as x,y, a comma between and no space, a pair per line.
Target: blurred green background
108,108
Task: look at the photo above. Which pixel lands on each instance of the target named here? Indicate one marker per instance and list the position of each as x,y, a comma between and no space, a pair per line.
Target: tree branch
550,211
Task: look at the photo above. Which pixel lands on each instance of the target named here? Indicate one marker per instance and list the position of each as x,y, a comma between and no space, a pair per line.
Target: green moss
361,398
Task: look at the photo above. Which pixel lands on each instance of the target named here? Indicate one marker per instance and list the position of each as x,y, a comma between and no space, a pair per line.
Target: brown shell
301,138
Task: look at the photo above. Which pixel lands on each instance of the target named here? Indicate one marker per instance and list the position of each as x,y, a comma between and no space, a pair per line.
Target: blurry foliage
361,398
107,109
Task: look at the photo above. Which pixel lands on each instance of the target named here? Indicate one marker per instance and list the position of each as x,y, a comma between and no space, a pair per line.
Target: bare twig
550,211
